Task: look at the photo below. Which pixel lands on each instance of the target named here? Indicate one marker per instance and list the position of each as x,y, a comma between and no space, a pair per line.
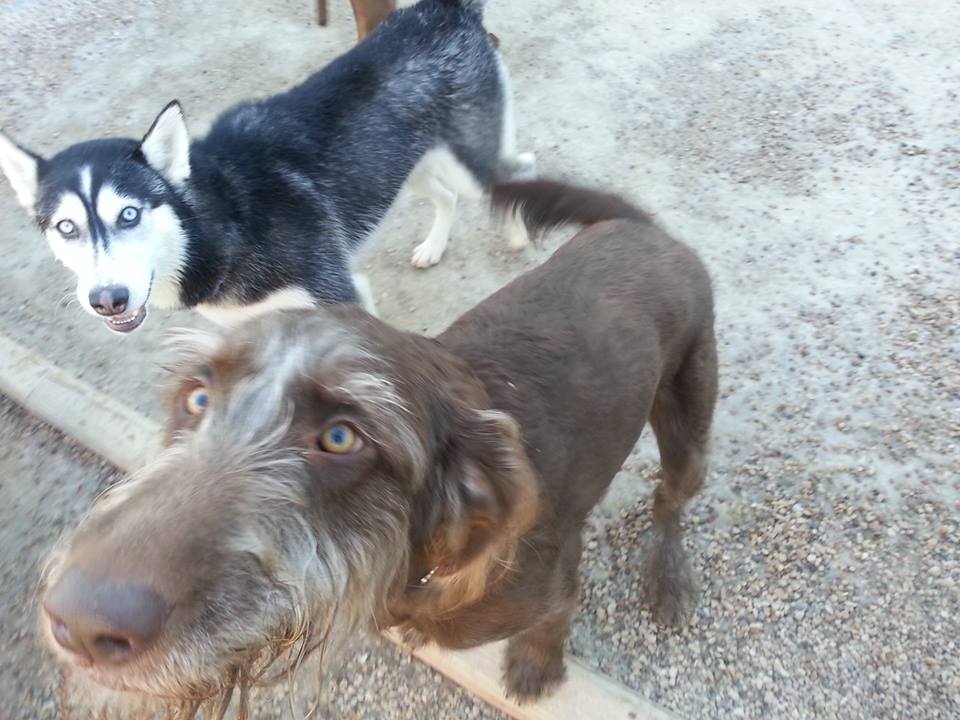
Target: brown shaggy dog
327,472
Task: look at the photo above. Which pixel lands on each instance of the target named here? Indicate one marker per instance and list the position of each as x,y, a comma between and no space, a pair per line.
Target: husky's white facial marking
86,182
289,298
108,217
118,240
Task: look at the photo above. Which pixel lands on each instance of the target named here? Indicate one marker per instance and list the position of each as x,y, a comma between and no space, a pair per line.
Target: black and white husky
270,208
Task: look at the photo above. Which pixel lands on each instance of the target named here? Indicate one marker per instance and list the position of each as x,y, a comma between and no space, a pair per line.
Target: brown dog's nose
102,622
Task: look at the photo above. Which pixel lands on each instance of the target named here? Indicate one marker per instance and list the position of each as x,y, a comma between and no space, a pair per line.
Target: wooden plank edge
94,420
584,695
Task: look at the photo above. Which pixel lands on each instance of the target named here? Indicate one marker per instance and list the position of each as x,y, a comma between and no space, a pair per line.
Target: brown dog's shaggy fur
456,511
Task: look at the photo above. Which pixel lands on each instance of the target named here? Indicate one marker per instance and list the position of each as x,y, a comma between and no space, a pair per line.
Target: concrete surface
810,152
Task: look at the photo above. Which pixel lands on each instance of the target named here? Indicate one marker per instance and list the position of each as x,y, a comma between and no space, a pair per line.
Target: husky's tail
546,204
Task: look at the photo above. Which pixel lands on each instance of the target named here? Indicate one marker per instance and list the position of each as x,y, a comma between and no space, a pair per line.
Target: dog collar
426,578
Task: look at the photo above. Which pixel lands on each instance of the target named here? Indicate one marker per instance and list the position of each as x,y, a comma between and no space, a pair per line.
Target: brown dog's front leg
534,658
369,13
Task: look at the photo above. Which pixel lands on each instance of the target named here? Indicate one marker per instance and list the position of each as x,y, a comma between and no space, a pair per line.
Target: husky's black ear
166,146
22,169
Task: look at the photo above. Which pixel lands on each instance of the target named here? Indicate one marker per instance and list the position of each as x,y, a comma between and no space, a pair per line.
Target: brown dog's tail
546,204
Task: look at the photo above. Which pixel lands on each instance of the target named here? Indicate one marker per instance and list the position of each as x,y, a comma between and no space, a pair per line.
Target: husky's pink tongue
126,323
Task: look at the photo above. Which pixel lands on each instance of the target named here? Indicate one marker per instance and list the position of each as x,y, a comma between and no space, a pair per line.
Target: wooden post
369,13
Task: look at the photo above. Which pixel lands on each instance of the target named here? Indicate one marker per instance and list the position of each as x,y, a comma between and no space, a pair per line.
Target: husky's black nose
103,622
109,300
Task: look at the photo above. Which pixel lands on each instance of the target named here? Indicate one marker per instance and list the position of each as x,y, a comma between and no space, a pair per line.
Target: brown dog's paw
673,606
672,587
527,680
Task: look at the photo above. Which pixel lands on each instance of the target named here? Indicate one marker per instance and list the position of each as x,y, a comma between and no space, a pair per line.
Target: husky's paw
525,167
427,254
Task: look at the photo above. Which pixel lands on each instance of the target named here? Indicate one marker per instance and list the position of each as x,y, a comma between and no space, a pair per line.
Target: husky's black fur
287,187
282,191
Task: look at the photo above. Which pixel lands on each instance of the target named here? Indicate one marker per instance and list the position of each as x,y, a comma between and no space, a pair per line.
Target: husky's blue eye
197,400
129,216
66,228
339,439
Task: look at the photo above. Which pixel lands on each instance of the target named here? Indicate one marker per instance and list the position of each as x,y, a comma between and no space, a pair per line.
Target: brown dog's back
613,331
587,338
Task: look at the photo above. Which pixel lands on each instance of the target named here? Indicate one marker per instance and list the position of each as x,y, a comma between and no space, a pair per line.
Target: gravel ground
810,154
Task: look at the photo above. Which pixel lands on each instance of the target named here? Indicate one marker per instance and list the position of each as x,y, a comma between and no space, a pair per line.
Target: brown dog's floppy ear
484,496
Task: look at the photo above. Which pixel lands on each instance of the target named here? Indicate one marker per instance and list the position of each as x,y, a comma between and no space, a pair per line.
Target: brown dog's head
318,463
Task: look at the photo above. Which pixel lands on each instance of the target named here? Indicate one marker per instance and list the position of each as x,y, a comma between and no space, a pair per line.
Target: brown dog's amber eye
196,401
339,439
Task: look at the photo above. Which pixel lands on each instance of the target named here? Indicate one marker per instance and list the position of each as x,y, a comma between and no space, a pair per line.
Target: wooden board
585,695
127,439
92,418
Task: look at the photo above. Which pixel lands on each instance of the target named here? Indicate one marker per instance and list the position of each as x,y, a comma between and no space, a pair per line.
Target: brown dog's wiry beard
230,695
311,617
